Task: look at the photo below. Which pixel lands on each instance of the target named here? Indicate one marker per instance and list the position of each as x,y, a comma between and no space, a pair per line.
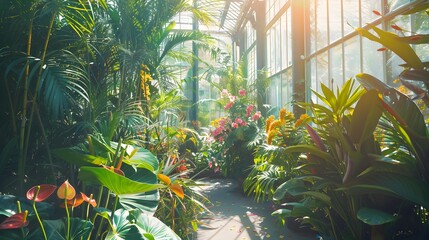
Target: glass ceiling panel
227,13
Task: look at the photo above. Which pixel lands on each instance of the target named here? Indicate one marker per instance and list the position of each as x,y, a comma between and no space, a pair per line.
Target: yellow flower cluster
268,122
145,78
285,115
302,120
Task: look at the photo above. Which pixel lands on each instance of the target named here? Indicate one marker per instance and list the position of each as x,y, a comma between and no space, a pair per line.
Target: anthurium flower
66,191
89,200
79,199
165,179
18,220
177,189
45,191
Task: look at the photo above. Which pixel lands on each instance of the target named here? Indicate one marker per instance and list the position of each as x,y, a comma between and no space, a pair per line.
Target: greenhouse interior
214,119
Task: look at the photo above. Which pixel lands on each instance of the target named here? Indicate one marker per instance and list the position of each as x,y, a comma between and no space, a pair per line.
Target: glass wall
335,51
279,53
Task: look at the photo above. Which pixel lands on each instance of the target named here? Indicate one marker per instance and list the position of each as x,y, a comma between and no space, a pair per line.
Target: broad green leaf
124,229
114,182
8,207
404,187
13,234
78,158
292,186
365,117
154,226
147,202
375,217
57,229
143,158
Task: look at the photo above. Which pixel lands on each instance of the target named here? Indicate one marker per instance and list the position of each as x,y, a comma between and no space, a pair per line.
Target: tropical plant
181,213
351,183
272,165
125,179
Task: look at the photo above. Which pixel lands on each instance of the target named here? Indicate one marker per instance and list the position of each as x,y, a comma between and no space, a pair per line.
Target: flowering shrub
235,135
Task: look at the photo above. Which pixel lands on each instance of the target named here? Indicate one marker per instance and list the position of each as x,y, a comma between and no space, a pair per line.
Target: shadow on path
235,216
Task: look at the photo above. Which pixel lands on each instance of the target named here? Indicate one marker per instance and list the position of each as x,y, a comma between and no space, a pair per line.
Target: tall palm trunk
26,135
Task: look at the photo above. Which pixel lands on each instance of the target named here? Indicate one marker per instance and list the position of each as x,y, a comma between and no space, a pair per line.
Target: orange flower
268,123
302,120
174,187
275,124
79,199
271,135
66,191
282,115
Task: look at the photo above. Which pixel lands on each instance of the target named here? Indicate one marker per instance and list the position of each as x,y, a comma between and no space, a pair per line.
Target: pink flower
238,121
234,125
217,131
249,109
232,98
242,92
210,164
229,105
256,116
222,122
224,92
216,169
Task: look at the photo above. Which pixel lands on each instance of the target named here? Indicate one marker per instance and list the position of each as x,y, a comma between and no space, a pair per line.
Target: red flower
17,220
66,191
242,92
45,190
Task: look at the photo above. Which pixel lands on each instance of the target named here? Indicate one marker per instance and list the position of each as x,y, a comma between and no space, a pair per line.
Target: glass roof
229,14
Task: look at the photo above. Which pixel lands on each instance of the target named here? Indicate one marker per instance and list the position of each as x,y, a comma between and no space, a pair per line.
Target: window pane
278,47
372,59
421,26
351,15
284,41
352,57
321,24
289,35
274,93
335,20
313,30
368,6
322,69
394,4
336,62
313,77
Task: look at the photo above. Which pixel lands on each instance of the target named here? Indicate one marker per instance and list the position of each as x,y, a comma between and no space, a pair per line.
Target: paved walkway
237,217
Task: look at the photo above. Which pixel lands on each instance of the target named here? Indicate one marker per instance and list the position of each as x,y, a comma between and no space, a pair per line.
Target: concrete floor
237,217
